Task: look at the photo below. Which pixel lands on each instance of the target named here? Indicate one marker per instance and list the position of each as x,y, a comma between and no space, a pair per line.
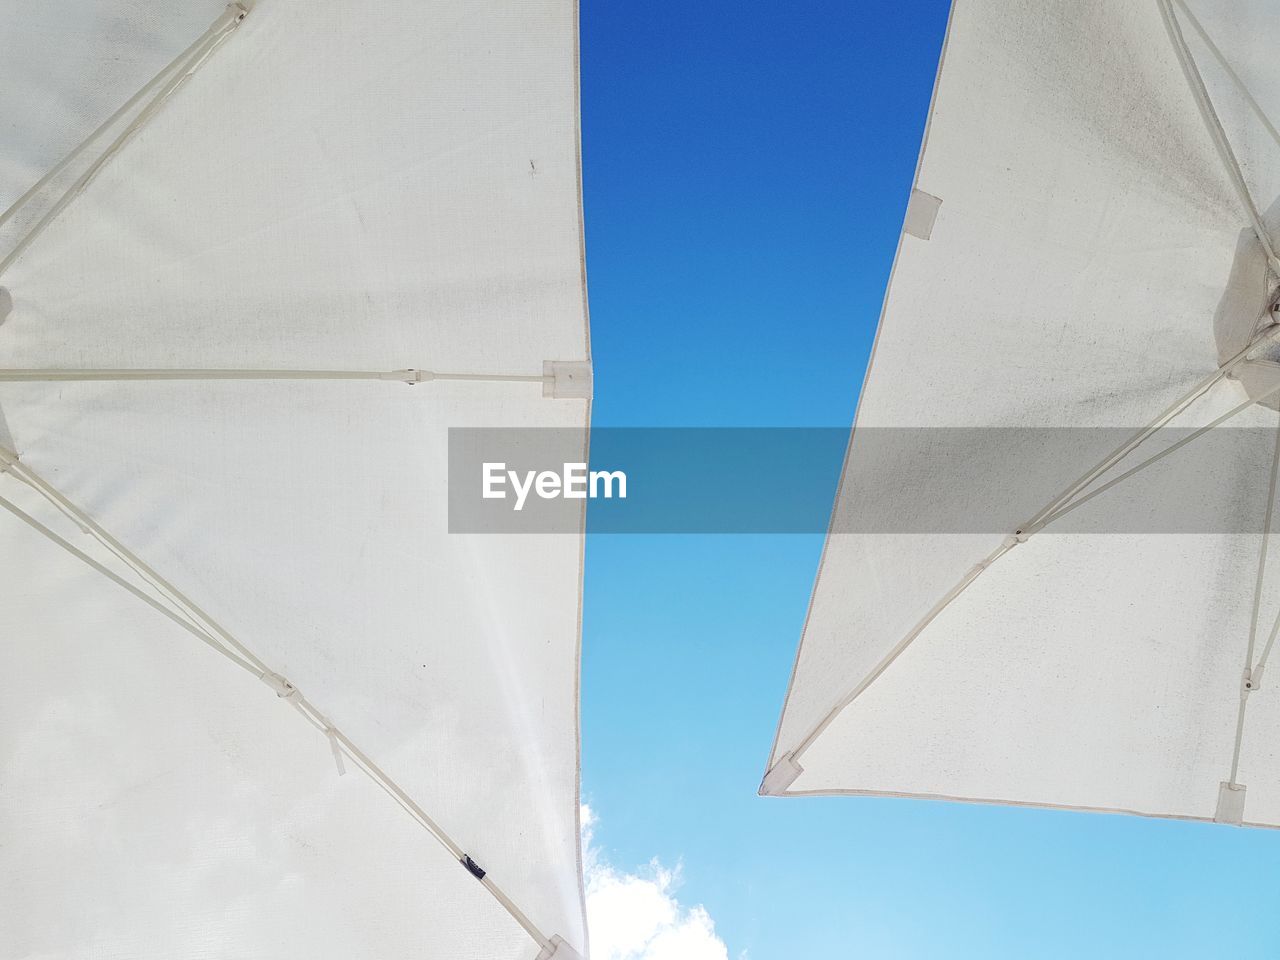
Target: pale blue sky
746,166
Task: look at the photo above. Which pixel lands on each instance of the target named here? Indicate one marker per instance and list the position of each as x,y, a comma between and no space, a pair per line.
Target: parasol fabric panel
1090,260
243,322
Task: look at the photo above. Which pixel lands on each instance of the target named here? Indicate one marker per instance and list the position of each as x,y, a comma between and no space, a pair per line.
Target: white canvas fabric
343,194
1093,258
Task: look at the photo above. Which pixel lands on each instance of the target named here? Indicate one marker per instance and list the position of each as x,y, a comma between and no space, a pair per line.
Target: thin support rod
1216,132
88,141
887,661
248,661
1266,651
222,28
1251,676
1155,458
1235,750
114,577
1226,65
1162,420
1052,511
21,471
41,375
392,789
1262,553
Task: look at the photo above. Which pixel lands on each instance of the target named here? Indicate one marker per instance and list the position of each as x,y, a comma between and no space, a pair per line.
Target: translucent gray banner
899,481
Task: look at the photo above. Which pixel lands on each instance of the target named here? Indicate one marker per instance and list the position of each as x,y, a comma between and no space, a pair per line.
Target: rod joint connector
409,376
1021,535
283,688
1252,680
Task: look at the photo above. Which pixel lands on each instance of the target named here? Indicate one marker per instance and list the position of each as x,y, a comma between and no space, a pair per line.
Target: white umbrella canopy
1088,245
239,323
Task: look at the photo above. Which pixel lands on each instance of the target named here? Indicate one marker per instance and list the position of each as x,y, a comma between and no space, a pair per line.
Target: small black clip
473,868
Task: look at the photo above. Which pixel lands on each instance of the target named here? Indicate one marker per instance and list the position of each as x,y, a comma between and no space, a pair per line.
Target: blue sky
746,167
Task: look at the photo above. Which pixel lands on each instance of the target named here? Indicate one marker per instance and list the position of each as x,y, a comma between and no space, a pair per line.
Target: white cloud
637,916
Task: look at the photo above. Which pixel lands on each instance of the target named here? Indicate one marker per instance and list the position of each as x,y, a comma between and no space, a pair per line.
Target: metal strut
560,379
37,375
180,609
1240,85
1231,791
168,80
